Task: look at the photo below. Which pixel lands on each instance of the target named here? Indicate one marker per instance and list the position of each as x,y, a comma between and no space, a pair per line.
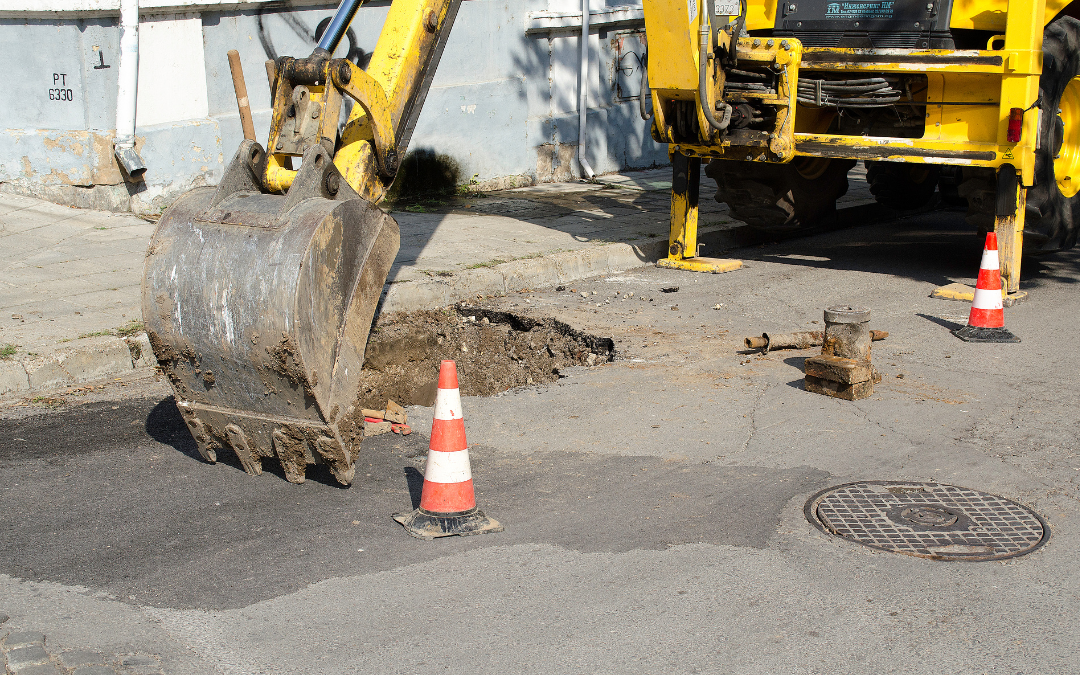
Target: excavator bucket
258,308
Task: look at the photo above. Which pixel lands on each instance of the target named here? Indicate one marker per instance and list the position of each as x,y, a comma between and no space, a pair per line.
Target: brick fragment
376,428
395,413
839,369
849,392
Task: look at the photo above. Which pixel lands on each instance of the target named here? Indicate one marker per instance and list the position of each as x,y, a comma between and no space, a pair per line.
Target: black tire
781,198
1052,219
902,187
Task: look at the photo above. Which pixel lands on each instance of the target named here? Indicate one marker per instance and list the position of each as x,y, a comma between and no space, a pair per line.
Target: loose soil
494,351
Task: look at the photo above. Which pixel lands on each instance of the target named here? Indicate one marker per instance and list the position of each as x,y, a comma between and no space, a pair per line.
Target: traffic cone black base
976,334
424,524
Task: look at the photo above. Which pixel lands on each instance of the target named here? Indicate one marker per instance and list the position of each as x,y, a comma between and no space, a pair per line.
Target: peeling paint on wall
502,104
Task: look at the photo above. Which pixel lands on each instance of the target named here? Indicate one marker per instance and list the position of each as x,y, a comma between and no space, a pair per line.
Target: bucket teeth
290,452
238,441
337,458
202,439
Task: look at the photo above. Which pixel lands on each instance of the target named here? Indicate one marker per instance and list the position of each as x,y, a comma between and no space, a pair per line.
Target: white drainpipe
127,90
583,92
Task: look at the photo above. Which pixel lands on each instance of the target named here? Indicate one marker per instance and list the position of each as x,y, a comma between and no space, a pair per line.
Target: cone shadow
944,323
415,481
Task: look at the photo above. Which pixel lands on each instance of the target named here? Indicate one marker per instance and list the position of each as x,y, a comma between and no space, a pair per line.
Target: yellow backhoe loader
979,96
259,293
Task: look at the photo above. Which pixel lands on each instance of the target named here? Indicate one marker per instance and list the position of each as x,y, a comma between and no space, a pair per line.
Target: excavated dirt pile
494,351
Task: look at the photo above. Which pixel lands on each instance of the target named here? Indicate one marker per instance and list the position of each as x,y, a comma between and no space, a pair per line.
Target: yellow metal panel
979,14
962,124
672,36
990,14
760,15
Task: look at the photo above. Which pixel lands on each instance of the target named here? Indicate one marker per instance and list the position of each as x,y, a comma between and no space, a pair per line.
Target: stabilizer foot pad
713,265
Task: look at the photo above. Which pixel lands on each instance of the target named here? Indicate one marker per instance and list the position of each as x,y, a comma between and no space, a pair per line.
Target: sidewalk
70,279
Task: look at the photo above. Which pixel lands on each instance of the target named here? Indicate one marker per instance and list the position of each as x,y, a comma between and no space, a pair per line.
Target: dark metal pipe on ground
802,340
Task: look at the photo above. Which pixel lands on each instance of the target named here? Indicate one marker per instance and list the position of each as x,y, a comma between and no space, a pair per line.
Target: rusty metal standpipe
847,333
843,370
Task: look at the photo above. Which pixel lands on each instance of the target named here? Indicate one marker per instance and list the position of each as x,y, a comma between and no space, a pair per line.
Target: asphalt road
653,506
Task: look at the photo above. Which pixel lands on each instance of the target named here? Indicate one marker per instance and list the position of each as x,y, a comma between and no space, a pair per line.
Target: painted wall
503,103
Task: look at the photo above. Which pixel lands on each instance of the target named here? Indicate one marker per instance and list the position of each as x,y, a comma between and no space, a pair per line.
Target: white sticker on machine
726,8
691,9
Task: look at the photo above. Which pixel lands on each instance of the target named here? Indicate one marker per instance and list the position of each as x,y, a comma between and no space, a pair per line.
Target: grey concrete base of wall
134,198
92,359
115,198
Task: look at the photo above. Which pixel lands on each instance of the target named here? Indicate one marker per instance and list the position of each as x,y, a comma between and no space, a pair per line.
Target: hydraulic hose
740,25
645,94
703,81
338,25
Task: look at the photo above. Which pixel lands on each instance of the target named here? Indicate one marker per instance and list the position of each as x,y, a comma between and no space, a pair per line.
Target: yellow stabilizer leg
682,242
1010,237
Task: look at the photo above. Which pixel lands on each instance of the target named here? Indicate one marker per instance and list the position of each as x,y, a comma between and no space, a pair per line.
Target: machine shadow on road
166,426
938,248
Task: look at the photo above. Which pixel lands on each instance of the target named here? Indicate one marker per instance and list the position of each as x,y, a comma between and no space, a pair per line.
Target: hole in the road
495,351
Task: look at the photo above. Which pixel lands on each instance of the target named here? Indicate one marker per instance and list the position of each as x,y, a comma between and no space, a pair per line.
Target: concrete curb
91,359
518,275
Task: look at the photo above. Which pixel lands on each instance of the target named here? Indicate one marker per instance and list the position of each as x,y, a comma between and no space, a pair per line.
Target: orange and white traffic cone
448,503
986,323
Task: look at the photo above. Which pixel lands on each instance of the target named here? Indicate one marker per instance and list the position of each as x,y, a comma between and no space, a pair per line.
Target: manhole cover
943,522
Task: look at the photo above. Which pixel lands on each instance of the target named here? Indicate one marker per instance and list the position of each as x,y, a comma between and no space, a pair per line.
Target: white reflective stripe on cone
448,467
987,299
448,405
989,259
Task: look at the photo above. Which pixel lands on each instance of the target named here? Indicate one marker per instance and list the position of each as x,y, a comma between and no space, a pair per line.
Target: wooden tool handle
241,94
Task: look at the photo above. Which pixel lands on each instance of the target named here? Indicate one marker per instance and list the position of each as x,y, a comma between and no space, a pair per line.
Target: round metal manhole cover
943,522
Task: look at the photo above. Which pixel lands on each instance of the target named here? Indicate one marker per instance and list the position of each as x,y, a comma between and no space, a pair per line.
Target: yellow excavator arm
258,294
389,95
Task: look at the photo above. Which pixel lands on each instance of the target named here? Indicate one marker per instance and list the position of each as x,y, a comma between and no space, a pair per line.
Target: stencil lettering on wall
59,90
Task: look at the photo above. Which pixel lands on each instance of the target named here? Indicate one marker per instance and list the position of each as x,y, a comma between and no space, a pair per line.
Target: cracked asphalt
653,506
